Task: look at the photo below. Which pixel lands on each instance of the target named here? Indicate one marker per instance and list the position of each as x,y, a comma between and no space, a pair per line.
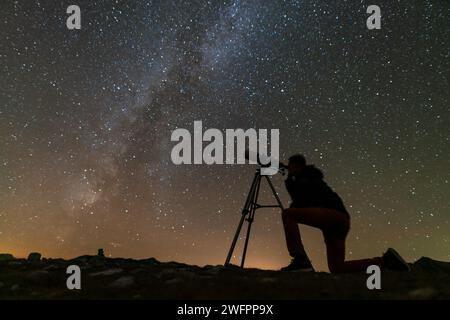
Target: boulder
123,282
6,257
39,278
15,263
424,293
53,267
425,264
213,270
15,287
34,257
150,261
108,272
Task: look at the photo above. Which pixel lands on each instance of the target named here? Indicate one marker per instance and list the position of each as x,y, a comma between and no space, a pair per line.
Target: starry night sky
86,118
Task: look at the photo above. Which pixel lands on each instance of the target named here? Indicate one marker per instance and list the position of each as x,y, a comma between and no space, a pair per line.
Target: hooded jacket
308,189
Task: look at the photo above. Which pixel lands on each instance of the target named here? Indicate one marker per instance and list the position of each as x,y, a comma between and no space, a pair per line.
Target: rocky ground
107,278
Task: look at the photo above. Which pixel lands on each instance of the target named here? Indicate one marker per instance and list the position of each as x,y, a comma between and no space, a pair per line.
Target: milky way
86,118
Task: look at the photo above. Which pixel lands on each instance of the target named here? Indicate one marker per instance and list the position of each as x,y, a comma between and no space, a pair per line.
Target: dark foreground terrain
105,278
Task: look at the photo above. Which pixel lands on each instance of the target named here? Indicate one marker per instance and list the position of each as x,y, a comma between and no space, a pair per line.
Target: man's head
296,164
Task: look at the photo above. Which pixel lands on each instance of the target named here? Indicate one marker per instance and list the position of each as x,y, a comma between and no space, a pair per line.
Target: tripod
248,213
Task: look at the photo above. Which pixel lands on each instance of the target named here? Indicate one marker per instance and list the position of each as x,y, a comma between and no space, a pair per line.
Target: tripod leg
275,193
233,244
245,211
250,220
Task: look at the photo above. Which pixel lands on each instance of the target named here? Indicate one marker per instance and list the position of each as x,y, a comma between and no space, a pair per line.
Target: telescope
251,202
265,162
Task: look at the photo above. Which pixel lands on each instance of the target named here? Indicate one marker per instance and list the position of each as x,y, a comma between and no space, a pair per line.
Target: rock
431,266
34,257
15,287
206,277
40,278
214,270
423,293
179,273
81,260
268,280
186,274
6,257
59,262
108,272
97,261
166,272
125,278
123,282
52,267
175,264
173,281
150,261
139,271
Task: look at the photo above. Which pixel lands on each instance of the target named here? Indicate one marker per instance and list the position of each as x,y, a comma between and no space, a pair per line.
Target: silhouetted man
315,204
